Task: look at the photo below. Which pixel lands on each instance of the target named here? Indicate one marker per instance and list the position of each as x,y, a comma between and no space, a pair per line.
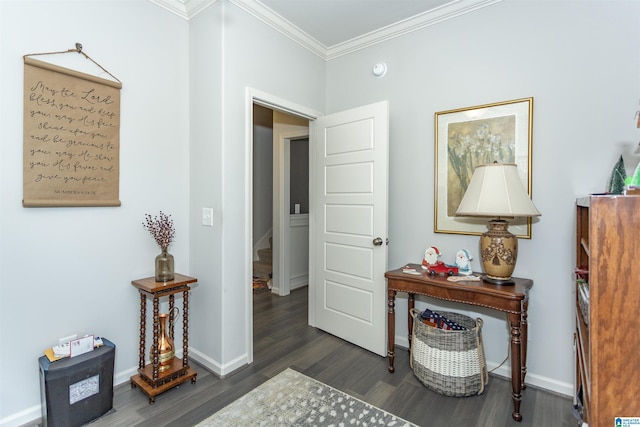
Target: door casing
281,208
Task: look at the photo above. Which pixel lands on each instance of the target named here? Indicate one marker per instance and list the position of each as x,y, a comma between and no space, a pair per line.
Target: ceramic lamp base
499,252
498,281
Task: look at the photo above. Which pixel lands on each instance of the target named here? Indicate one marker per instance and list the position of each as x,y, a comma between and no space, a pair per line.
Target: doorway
280,200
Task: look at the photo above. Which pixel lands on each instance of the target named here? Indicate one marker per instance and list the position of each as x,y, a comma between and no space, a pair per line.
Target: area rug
293,399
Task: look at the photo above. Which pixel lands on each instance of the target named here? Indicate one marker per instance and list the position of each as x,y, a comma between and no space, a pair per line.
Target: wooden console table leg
525,339
516,364
391,328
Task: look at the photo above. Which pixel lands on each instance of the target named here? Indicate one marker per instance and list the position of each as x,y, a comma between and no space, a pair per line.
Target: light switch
207,217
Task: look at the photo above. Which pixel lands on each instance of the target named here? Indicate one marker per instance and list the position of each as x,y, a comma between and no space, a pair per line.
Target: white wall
581,63
262,174
225,61
206,176
68,270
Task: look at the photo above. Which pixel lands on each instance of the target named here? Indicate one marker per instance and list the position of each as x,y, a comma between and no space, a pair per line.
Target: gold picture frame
467,137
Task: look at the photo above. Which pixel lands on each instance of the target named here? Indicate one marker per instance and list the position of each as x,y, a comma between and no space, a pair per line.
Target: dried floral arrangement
161,228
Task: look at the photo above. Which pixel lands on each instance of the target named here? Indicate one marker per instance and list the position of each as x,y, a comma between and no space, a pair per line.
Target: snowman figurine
463,262
431,256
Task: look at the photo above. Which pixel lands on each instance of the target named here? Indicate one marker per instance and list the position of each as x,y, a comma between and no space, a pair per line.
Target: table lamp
496,191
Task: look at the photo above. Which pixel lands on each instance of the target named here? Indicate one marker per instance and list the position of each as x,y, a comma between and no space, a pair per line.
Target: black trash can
74,391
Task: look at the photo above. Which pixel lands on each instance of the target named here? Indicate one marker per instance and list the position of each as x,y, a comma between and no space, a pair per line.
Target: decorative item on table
496,191
408,269
469,278
162,229
433,266
632,183
431,255
442,269
463,262
166,347
616,182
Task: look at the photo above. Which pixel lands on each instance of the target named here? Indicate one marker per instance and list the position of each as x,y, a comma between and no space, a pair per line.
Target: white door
349,225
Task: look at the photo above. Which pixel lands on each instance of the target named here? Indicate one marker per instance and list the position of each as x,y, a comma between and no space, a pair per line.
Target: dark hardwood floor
282,339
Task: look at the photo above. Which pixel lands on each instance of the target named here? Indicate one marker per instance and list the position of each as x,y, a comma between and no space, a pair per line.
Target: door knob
377,241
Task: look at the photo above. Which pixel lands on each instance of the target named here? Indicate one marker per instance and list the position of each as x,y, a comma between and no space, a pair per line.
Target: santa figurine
463,262
431,256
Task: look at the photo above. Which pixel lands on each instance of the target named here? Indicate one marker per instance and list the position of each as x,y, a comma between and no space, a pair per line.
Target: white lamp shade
496,190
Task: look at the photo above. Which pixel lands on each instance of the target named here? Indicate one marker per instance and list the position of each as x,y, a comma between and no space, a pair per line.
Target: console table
150,381
511,299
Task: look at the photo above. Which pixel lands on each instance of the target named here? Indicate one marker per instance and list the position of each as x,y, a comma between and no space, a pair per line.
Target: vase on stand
166,348
164,267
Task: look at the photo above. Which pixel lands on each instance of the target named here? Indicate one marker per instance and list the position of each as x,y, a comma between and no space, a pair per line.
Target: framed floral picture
472,136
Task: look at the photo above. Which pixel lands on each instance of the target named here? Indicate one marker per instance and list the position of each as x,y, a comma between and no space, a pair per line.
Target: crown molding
186,9
277,22
189,8
415,23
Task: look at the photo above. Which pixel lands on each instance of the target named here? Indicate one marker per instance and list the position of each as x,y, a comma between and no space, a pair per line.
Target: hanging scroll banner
71,140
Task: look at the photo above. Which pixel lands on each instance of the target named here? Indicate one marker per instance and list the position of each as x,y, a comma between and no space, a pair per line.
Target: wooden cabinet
607,307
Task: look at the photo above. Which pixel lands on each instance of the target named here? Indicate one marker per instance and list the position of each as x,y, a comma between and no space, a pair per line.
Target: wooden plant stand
150,381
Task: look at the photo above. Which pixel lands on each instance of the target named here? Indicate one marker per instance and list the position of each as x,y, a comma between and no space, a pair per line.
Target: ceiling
332,28
332,22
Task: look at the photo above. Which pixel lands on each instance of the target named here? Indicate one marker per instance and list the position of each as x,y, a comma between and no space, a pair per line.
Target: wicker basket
449,362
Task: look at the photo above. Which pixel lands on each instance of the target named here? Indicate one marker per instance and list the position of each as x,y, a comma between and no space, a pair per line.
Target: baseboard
539,381
298,281
402,342
215,367
535,380
124,376
23,417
